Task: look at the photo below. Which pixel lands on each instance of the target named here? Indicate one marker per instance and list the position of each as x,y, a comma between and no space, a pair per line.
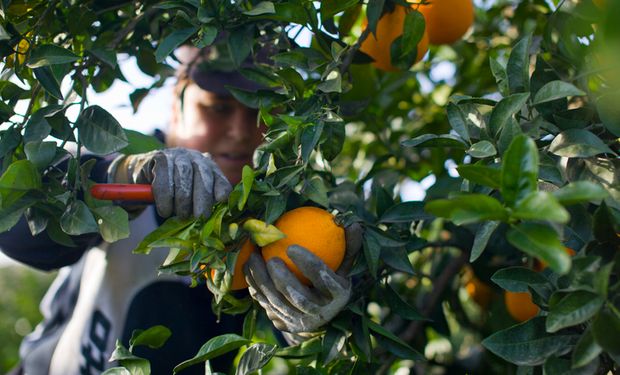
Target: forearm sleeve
41,251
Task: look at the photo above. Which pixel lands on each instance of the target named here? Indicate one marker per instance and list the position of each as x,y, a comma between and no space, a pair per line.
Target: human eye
219,108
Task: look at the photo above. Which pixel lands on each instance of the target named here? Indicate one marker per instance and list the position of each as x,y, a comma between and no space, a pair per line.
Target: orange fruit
478,291
238,278
540,265
312,228
520,305
389,27
447,20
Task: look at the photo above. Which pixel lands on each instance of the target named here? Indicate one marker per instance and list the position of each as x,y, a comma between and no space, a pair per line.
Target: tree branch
431,303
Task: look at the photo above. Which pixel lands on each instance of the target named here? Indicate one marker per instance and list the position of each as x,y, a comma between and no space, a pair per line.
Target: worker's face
219,125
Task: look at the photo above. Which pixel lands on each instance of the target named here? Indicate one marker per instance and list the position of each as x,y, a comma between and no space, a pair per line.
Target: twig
431,303
35,92
130,27
349,57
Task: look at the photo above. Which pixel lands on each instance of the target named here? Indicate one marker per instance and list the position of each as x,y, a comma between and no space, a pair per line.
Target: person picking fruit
103,292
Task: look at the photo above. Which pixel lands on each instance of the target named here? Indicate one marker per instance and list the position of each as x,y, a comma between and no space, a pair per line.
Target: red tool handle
123,192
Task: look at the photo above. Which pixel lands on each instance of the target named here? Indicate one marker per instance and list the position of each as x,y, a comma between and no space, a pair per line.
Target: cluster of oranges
446,22
309,227
518,304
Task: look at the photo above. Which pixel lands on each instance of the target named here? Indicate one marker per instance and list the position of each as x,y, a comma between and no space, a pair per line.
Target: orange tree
521,140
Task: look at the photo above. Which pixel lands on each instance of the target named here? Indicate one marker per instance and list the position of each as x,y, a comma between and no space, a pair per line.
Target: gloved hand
292,306
184,182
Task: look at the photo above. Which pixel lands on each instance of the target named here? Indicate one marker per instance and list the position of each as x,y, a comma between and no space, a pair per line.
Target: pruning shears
123,192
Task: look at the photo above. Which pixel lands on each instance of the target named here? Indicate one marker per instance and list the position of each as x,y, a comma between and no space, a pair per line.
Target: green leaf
373,13
482,149
107,56
78,219
483,234
560,366
606,331
332,139
467,209
332,82
249,323
255,358
400,307
405,212
316,190
116,371
458,121
519,169
527,344
169,228
399,347
481,175
113,223
155,337
264,7
310,137
518,279
49,82
247,179
556,90
172,41
542,242
9,218
213,348
504,110
37,128
500,75
307,348
40,154
20,177
573,309
413,31
372,252
121,353
240,44
540,205
3,34
518,66
397,259
580,192
586,350
434,140
50,54
578,143
609,112
139,143
9,140
100,132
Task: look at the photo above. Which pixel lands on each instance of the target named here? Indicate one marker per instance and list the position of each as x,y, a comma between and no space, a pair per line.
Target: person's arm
41,251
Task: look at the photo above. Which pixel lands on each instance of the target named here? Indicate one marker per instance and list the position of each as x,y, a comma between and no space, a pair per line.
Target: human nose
241,124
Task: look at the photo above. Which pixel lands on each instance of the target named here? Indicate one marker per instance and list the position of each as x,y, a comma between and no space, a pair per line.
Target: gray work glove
185,182
292,306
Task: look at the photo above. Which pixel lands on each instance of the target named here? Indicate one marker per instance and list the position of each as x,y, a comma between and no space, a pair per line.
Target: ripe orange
312,228
389,27
447,20
238,279
520,305
478,291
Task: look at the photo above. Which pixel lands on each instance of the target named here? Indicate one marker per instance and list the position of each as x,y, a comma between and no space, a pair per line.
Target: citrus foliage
529,118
